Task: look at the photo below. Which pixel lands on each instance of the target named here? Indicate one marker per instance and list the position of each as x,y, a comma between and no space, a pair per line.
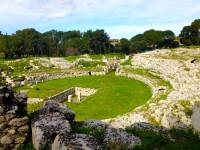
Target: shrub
174,44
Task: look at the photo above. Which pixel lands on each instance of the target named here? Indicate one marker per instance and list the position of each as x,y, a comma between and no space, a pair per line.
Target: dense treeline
150,39
53,43
29,42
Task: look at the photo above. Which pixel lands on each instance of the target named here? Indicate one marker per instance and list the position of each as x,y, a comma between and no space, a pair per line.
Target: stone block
79,97
19,122
69,98
2,118
6,140
9,116
23,129
1,110
2,126
20,140
12,131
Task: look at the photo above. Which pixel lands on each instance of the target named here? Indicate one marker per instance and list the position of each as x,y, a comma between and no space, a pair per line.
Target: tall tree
195,27
31,39
85,43
124,43
138,46
138,37
153,37
168,38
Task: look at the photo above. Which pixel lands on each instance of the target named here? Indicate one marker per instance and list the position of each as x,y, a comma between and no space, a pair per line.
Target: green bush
174,44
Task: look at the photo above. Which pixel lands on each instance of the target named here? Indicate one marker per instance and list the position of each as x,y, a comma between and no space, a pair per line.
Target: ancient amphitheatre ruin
172,74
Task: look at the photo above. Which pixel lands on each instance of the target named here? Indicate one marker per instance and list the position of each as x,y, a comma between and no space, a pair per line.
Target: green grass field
115,96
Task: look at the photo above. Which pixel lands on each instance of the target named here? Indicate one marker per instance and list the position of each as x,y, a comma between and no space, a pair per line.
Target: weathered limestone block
117,135
12,131
196,118
47,127
66,141
79,97
52,120
52,106
2,118
23,129
17,146
69,98
20,140
95,124
2,126
9,116
6,140
1,109
19,122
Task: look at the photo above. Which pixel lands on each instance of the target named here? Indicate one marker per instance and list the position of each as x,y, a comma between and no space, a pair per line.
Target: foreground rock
65,141
53,126
52,120
112,135
13,120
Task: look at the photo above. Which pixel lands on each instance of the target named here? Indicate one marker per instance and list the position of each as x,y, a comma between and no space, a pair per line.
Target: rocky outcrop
65,141
55,123
95,124
14,124
118,135
52,120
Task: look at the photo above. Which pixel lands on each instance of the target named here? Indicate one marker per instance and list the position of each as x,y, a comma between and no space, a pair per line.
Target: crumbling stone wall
13,120
63,95
72,91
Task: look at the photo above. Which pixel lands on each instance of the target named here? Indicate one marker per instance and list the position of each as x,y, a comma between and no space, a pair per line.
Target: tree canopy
53,43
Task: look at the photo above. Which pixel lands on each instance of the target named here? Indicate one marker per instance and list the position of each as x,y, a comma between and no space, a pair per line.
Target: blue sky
119,18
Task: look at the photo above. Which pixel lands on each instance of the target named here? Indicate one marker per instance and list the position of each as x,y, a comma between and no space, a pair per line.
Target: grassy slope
116,95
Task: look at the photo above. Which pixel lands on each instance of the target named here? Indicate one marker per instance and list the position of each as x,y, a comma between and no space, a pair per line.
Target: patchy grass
182,140
115,96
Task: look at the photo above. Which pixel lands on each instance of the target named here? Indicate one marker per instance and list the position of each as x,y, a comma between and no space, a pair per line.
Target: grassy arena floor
115,96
